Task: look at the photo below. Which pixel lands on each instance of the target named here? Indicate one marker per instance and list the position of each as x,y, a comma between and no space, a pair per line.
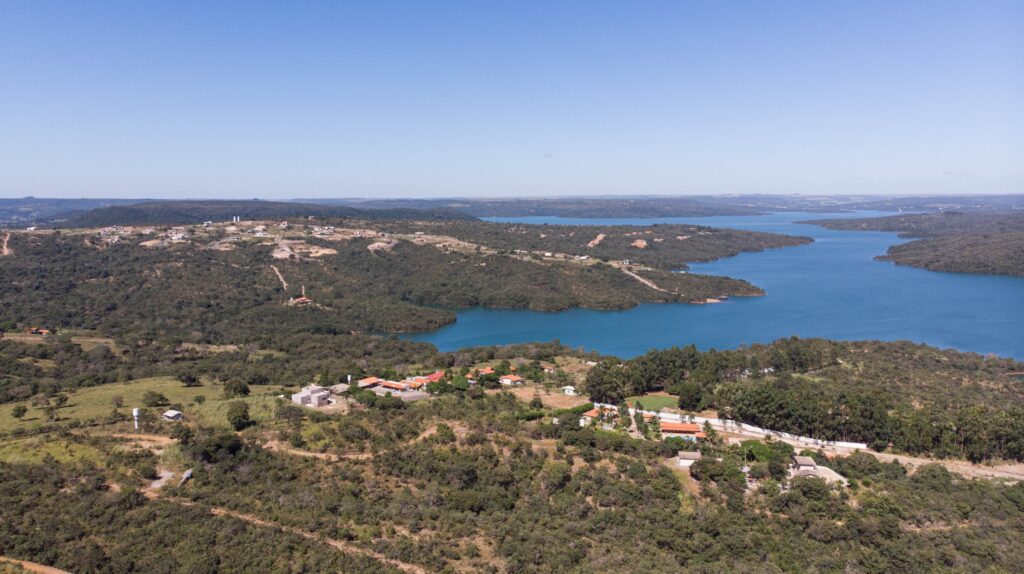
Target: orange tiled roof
685,428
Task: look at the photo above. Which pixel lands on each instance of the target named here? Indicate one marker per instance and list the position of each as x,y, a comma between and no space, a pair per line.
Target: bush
154,399
238,415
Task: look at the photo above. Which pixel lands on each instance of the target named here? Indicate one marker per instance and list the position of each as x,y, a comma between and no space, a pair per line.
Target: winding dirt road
341,545
5,250
33,566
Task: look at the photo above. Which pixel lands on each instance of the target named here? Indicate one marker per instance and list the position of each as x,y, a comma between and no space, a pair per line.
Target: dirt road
281,447
5,251
341,545
34,566
280,277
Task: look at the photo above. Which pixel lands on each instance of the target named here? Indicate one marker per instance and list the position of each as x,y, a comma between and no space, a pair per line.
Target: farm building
685,431
312,396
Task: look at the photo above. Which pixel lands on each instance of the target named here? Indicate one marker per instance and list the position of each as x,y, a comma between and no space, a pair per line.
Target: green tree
154,399
690,395
19,411
235,388
189,379
238,415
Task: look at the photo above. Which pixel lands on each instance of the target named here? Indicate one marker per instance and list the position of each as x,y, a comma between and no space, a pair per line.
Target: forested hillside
665,247
479,483
912,398
185,212
952,241
217,289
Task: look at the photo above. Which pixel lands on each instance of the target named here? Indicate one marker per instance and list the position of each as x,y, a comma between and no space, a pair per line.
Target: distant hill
950,241
186,212
639,206
24,211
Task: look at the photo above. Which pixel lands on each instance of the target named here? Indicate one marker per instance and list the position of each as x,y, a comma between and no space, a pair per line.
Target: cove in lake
832,288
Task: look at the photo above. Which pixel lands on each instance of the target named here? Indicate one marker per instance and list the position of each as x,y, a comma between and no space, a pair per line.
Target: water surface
832,288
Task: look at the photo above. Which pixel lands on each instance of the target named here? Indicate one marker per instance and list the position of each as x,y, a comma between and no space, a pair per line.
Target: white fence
729,425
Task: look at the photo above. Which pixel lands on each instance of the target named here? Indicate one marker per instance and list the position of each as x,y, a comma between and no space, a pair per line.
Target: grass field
655,402
85,339
97,402
34,450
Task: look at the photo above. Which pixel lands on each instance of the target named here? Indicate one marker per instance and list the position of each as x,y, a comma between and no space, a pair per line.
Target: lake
832,288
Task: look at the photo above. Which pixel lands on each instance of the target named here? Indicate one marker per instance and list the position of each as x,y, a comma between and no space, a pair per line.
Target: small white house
172,415
312,396
569,390
686,458
511,380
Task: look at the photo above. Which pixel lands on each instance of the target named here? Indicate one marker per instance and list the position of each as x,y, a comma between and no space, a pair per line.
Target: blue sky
421,99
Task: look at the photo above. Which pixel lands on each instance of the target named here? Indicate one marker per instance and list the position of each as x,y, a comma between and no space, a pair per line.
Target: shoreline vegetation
341,275
951,241
208,328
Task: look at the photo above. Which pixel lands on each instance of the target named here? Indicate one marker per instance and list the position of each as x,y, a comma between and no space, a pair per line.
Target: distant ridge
186,212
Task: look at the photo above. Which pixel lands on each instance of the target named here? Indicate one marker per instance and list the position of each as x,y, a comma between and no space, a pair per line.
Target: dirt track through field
280,277
5,251
33,566
343,546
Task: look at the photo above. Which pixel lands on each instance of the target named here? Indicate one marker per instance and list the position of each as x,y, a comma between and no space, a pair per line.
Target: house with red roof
685,431
511,380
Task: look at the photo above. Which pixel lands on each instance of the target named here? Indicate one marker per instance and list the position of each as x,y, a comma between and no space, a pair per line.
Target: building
686,458
172,415
435,376
805,466
312,396
417,382
368,382
685,431
511,380
392,386
569,390
600,414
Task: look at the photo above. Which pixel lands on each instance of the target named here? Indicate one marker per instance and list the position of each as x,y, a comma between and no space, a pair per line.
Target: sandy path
278,446
647,282
280,278
141,437
34,566
256,521
5,251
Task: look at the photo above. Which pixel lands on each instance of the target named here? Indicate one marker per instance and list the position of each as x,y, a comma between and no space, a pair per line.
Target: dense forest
926,225
951,241
911,398
469,483
185,212
220,292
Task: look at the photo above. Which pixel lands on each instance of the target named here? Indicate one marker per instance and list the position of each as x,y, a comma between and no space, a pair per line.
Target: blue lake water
831,288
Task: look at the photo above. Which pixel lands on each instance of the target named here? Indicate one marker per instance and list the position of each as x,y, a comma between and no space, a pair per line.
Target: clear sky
413,99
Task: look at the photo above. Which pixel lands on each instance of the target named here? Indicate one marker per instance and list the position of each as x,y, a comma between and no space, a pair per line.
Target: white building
511,380
172,415
686,458
569,390
805,466
312,396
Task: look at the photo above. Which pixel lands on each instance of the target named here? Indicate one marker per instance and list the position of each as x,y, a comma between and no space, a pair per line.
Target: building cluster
312,396
408,389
